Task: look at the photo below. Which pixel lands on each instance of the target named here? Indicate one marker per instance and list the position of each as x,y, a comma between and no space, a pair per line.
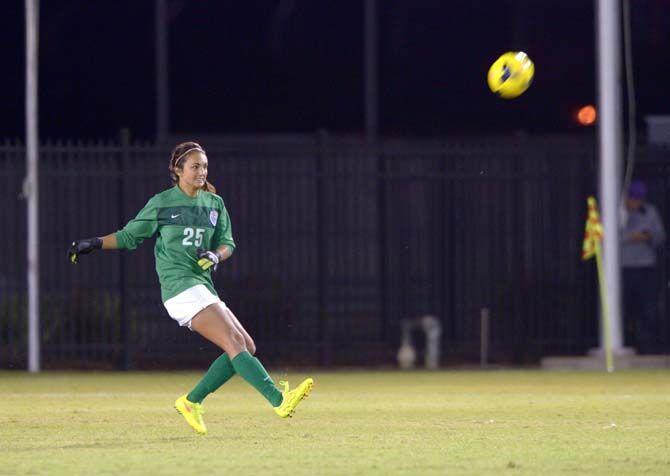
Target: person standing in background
642,233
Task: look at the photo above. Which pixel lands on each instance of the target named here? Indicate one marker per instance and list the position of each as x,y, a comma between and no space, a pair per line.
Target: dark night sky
297,65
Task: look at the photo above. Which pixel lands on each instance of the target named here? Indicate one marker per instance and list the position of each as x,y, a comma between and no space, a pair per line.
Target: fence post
124,157
322,260
382,234
485,318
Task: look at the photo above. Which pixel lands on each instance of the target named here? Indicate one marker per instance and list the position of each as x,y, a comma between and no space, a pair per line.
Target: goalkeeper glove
83,247
207,260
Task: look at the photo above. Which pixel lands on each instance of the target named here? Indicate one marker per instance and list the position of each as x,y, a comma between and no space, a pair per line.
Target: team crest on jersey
213,217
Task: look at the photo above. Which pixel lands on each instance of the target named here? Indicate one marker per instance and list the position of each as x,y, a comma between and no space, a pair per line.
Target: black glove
83,247
207,259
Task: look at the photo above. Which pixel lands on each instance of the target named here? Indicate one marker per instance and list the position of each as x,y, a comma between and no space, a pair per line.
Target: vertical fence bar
322,266
127,358
444,242
382,234
484,338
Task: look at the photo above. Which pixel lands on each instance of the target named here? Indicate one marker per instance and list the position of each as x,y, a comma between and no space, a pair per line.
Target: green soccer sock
251,370
219,373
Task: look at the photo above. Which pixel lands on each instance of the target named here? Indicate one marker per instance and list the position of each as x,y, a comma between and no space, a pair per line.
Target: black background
297,65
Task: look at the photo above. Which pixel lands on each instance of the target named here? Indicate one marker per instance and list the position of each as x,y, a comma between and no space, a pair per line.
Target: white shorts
184,306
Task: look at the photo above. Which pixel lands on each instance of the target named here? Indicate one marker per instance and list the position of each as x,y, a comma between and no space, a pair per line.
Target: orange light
586,115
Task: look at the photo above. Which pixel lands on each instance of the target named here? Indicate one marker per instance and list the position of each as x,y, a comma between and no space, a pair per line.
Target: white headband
188,151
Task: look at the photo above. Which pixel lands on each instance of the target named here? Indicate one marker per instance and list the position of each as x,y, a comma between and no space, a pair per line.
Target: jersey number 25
190,233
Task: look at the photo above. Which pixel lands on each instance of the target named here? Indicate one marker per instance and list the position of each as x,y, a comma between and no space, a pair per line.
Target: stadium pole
31,185
608,18
371,61
162,83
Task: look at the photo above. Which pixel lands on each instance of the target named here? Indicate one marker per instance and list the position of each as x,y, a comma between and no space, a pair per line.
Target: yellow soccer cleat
293,397
192,412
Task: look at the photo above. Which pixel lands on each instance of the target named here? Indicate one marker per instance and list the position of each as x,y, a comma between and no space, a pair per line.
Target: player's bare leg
220,326
251,345
216,325
218,373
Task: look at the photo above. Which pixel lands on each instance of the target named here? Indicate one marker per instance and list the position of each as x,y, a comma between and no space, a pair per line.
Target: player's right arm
87,245
143,226
109,242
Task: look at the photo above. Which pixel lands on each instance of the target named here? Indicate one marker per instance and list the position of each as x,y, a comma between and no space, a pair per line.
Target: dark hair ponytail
179,155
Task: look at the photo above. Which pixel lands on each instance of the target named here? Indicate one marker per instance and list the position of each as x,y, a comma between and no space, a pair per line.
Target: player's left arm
224,252
210,259
222,240
222,243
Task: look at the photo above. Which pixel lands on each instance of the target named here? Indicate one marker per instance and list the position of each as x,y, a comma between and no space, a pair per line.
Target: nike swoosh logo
175,216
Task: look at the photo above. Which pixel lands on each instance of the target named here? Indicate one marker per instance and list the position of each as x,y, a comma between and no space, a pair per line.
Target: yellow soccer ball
511,74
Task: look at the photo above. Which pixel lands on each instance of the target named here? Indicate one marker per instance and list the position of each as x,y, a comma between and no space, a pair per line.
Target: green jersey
183,224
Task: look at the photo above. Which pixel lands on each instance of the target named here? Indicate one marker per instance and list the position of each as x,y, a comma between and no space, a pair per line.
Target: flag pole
593,236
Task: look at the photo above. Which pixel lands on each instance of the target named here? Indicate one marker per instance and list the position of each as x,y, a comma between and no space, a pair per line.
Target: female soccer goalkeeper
194,236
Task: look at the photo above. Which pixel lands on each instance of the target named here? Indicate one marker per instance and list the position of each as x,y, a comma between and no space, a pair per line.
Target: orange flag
593,233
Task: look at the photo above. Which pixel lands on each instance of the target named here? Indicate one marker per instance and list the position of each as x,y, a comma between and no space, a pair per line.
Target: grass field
452,422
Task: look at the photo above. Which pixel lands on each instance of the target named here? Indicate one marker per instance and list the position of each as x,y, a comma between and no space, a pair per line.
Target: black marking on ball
506,73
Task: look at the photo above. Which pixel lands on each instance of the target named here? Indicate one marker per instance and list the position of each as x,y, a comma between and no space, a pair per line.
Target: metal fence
337,241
